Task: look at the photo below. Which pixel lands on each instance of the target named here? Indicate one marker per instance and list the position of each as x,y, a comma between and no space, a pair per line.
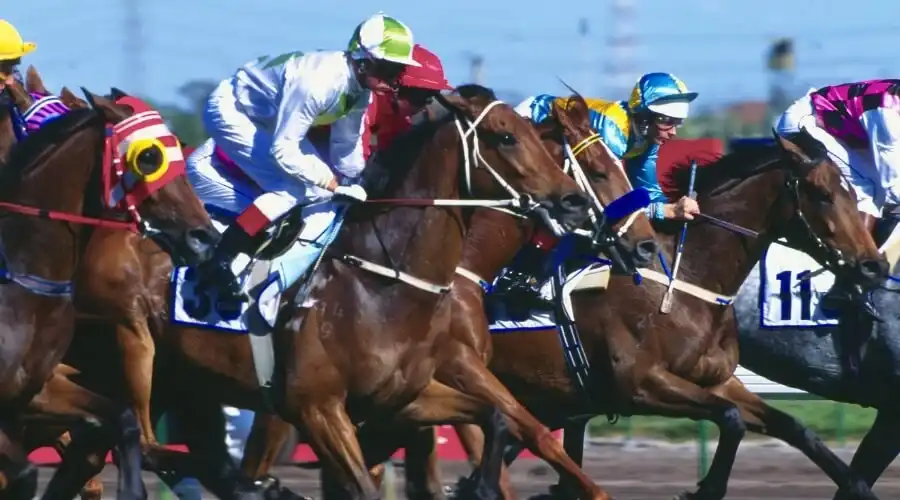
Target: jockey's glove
354,192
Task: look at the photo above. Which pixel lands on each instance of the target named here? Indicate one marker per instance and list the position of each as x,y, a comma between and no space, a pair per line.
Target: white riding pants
217,189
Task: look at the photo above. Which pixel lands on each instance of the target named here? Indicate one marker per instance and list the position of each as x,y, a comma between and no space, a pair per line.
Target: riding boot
216,273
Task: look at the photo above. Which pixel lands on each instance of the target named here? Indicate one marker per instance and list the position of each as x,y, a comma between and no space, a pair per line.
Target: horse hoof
859,491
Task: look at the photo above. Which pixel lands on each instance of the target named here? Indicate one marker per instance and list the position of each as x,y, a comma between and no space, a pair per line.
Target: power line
133,65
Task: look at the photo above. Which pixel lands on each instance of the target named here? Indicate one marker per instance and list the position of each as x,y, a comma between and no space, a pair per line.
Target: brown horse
504,143
42,247
648,363
461,362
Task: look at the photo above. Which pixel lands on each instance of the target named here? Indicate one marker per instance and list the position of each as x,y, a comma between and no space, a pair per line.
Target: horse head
150,182
822,210
508,158
603,177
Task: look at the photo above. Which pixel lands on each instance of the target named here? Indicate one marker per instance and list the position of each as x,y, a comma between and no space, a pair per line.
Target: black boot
215,274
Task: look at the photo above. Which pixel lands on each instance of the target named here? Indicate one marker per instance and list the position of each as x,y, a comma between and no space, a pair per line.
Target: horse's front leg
878,448
762,418
138,351
660,392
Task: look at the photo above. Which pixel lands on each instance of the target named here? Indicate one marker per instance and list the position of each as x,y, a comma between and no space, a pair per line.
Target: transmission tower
622,43
133,66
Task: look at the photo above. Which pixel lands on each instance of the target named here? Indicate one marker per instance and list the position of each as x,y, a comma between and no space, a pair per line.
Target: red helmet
430,75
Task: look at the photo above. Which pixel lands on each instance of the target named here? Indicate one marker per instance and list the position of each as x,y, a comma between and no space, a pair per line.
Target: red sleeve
368,122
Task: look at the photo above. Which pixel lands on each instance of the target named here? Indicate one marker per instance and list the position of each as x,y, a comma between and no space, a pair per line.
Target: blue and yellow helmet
661,93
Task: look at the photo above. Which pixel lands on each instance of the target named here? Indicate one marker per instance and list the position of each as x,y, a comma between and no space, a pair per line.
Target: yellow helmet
11,44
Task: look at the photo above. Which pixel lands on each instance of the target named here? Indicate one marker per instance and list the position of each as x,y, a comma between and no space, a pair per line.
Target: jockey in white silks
259,119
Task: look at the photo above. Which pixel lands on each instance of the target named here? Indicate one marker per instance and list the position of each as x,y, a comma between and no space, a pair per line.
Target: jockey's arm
883,127
303,100
346,148
642,173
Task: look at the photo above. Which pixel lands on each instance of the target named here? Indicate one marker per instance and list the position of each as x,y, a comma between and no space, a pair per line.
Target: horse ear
460,105
71,100
792,150
22,99
104,105
116,93
34,82
562,111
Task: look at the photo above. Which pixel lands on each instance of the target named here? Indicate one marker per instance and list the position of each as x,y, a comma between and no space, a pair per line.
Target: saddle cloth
265,301
591,277
262,282
786,299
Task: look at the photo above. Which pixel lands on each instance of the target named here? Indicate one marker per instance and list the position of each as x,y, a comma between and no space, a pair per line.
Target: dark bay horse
506,142
62,179
645,362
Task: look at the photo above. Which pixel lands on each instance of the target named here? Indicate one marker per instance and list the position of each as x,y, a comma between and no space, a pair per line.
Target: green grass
831,421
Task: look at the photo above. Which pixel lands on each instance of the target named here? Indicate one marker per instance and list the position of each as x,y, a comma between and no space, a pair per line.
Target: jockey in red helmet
391,114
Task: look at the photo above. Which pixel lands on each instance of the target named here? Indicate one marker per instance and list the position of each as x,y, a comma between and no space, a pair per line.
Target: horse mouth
564,214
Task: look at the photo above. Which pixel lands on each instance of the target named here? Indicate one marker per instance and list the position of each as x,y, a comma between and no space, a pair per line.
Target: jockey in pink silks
859,125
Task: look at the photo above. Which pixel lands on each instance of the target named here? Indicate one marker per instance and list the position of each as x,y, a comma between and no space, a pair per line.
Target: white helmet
383,38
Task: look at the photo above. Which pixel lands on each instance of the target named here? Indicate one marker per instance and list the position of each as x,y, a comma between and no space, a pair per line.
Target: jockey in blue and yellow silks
633,130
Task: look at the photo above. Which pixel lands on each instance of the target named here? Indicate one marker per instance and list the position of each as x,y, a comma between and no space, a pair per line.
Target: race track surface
762,471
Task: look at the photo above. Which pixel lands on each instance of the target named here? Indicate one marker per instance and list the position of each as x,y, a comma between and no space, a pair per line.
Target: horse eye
150,159
598,176
508,140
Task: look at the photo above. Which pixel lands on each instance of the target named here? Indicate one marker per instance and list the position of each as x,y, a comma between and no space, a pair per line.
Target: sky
716,46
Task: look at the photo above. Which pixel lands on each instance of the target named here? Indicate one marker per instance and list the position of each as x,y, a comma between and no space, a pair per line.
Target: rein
518,203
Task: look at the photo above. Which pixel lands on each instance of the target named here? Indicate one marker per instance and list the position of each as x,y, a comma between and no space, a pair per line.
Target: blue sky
716,46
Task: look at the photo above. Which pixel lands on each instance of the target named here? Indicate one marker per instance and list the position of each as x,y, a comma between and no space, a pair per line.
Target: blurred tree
186,119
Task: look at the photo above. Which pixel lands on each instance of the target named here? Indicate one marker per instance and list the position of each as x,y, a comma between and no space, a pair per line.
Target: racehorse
109,173
460,365
813,358
646,362
503,144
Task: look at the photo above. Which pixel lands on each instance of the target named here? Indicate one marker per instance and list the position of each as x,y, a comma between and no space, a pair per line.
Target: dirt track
642,473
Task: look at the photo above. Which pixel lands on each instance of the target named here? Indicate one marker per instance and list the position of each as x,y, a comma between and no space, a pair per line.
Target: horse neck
425,242
51,248
716,258
494,238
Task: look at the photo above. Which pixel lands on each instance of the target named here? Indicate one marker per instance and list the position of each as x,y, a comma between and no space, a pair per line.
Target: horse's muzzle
569,210
872,272
644,252
199,244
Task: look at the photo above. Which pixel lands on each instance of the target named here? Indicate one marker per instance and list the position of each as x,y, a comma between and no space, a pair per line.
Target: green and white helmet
384,38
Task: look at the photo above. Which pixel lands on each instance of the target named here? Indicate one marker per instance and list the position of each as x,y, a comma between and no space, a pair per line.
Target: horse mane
400,156
724,171
26,154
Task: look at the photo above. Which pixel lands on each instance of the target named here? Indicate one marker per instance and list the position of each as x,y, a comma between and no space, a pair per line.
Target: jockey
12,49
260,118
633,130
390,115
859,125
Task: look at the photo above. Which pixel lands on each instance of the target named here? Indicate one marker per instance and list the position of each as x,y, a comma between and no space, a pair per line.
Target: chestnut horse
505,144
457,365
39,237
600,170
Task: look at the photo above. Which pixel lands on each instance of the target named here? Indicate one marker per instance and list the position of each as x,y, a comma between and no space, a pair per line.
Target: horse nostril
645,251
872,268
574,201
204,237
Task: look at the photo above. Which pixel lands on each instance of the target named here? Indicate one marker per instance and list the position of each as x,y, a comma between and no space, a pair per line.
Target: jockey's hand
684,209
354,192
